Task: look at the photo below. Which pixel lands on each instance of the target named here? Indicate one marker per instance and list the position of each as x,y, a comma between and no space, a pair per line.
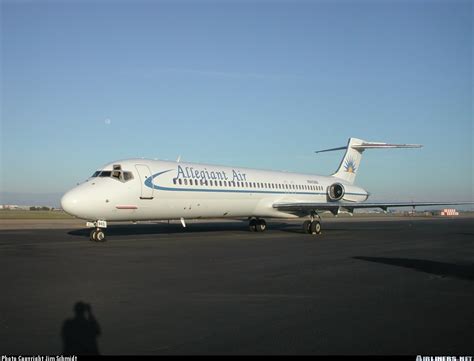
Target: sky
259,84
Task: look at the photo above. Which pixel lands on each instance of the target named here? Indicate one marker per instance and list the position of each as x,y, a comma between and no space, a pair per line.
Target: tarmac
388,285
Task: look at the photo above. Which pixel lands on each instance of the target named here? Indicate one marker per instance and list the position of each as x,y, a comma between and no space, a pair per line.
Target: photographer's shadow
79,334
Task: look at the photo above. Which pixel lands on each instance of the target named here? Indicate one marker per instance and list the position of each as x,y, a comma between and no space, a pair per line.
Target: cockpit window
127,176
122,176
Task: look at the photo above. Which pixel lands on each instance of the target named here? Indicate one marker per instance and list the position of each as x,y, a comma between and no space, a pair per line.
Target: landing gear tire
97,235
306,226
261,225
312,227
315,227
100,236
253,225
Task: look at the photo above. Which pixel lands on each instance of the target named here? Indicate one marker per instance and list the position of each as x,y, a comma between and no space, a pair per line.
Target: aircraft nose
70,202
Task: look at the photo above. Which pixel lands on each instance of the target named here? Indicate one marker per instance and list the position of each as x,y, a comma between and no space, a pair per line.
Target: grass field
22,214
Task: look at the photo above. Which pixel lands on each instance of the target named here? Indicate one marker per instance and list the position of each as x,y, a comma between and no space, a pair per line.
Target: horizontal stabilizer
371,145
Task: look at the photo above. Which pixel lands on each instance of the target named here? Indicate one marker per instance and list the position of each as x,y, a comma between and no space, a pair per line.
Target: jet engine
336,191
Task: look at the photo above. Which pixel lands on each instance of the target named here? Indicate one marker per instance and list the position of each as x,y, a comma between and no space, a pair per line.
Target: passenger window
174,180
191,182
185,182
180,181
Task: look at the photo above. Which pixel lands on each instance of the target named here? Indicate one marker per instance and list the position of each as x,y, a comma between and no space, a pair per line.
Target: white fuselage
141,189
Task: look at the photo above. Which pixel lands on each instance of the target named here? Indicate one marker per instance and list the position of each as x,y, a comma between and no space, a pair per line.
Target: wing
335,207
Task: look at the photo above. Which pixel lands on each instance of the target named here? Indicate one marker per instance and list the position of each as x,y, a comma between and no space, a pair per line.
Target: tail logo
349,166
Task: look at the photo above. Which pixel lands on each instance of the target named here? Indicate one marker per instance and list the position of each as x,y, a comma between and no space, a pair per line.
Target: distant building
9,206
449,212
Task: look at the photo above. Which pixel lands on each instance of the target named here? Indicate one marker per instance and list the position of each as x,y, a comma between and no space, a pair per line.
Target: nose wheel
97,235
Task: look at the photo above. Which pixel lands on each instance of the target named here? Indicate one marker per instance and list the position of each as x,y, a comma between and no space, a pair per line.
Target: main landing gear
312,226
257,225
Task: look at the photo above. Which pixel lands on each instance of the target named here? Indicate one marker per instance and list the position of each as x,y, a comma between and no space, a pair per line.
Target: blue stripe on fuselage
149,183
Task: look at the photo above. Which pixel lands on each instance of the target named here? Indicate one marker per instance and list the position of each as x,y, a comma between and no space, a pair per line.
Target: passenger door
145,174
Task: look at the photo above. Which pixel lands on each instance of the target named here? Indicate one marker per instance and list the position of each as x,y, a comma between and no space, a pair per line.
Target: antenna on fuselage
179,158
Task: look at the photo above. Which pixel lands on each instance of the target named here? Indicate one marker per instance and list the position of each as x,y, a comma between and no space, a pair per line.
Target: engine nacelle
336,191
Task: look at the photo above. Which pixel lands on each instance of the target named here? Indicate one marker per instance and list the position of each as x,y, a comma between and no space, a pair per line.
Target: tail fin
351,161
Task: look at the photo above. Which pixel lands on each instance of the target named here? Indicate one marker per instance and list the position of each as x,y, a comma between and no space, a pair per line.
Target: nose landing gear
97,232
97,235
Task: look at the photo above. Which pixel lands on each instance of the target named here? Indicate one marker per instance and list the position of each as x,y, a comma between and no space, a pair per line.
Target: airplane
147,190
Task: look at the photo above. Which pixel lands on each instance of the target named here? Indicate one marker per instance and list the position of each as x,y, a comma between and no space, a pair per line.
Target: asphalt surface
402,286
